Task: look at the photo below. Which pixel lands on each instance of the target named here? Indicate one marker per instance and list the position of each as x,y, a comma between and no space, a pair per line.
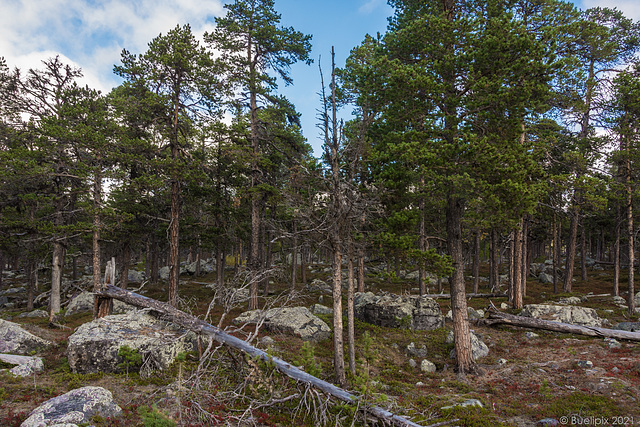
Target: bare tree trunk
462,337
103,306
360,270
220,261
198,258
517,267
57,265
338,340
351,328
616,256
631,237
556,250
525,257
422,243
30,283
174,246
571,251
126,259
303,266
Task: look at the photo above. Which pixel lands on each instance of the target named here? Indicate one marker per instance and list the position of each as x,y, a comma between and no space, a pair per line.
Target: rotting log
201,327
499,318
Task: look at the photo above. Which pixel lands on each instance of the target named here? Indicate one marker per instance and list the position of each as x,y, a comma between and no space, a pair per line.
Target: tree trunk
103,306
30,283
494,273
303,266
351,325
57,265
338,340
422,243
220,261
476,262
583,252
174,247
631,237
126,259
571,251
294,255
526,262
556,251
517,267
616,257
360,270
462,337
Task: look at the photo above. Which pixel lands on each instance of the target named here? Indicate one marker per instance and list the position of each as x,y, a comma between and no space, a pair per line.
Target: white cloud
630,8
91,34
370,6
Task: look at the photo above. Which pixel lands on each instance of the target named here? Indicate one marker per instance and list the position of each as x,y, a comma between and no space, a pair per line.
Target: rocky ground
526,378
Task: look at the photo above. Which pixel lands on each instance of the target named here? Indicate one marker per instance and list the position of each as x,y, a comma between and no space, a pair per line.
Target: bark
476,262
494,273
526,261
201,327
198,257
255,262
103,305
498,318
126,259
571,251
154,259
616,257
351,325
516,277
294,255
303,267
422,243
1,267
631,238
220,261
583,253
360,270
30,283
338,340
174,247
556,242
57,265
462,337
472,295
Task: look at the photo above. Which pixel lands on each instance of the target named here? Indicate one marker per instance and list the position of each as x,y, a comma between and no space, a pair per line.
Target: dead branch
204,328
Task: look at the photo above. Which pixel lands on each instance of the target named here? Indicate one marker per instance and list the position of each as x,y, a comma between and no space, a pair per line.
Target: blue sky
92,33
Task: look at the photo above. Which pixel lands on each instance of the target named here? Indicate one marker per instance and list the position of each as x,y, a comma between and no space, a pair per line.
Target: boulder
582,316
570,301
35,313
318,285
164,272
545,278
321,309
27,365
628,326
415,351
83,302
298,321
478,347
136,276
94,346
427,366
393,311
15,340
12,292
78,406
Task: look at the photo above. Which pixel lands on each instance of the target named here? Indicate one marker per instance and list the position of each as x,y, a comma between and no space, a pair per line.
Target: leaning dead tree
499,318
201,327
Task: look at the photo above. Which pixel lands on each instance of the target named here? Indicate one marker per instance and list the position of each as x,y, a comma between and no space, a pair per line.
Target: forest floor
539,377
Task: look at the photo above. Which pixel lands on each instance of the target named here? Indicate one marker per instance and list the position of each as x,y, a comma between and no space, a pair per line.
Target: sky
92,33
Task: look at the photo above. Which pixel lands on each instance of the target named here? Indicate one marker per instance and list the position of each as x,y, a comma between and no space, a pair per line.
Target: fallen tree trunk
200,326
445,296
498,318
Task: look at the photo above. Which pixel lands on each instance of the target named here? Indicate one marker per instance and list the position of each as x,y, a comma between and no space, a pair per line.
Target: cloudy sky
92,33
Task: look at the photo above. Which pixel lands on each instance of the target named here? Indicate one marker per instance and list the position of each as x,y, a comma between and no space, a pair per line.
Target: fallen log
469,295
499,318
200,326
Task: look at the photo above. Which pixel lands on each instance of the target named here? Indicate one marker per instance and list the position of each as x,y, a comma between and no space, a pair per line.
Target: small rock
267,341
531,335
465,404
321,309
504,306
419,384
585,364
412,363
548,422
27,365
615,370
478,347
612,343
418,352
502,361
35,313
427,366
570,301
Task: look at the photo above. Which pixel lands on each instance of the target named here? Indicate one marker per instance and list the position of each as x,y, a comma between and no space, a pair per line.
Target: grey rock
267,341
94,346
628,326
545,278
570,301
466,403
13,291
318,285
478,347
34,314
321,309
14,339
164,272
136,276
585,364
619,300
412,363
548,422
427,366
475,314
83,302
393,311
412,276
417,352
531,335
566,314
78,406
298,321
27,365
612,343
502,361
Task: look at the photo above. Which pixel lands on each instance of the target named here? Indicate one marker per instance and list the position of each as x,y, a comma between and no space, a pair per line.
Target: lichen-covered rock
628,326
582,316
35,313
94,346
321,309
135,276
298,321
83,302
478,347
393,311
27,365
14,339
78,406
